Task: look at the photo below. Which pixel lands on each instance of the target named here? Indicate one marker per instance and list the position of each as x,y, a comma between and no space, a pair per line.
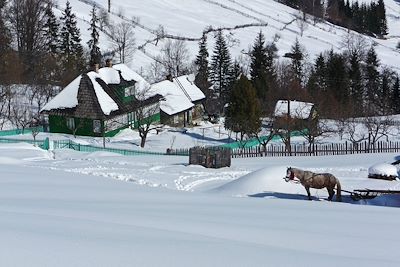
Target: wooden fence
317,149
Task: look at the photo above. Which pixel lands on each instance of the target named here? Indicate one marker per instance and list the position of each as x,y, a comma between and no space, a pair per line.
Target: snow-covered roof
175,100
68,97
109,75
130,75
186,83
178,94
298,109
107,104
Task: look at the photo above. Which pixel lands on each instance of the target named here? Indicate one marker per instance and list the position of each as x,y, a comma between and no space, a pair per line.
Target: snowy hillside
190,17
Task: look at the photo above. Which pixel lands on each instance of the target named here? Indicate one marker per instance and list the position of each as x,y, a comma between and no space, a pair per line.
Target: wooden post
109,6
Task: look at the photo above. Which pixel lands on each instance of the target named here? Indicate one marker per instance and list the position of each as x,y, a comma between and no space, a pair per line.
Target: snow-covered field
190,17
68,208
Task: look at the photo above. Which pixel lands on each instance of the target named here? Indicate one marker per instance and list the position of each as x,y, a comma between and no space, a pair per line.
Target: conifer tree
297,57
258,66
203,69
336,77
384,92
381,16
317,81
94,50
396,96
71,48
356,84
51,31
243,113
221,66
371,75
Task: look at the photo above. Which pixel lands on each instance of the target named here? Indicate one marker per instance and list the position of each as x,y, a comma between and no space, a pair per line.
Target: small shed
210,157
296,113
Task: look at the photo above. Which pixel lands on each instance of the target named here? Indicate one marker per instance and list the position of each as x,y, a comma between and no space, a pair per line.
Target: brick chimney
109,63
96,67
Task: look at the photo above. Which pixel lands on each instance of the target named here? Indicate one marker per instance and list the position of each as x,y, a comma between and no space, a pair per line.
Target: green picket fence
87,148
60,144
39,143
20,131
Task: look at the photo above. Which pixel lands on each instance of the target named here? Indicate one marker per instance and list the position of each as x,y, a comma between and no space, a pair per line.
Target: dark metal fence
318,149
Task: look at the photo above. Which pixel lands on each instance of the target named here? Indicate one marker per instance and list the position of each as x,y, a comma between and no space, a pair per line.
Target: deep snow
66,208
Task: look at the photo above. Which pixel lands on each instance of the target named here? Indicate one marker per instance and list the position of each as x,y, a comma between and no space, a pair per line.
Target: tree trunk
143,141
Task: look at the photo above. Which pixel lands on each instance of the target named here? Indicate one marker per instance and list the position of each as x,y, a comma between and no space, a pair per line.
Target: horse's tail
338,191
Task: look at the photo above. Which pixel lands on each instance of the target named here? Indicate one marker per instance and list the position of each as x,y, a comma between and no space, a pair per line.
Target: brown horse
316,180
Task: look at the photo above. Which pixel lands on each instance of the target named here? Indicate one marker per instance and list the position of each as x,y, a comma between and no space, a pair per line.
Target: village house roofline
180,94
99,89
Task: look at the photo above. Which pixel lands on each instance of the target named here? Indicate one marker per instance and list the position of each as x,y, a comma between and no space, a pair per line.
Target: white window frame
130,91
96,126
70,123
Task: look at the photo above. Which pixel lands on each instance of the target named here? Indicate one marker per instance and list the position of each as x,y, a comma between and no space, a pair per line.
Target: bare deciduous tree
104,19
356,131
378,127
174,57
312,129
145,113
266,134
21,115
27,19
354,43
123,40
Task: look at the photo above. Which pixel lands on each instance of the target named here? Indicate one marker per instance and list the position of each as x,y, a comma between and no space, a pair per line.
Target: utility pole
109,6
289,148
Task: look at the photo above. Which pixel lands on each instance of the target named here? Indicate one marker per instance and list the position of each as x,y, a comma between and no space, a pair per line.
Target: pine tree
371,75
94,50
356,84
336,77
203,70
243,112
317,81
384,92
71,48
221,66
297,57
51,31
258,66
396,96
381,16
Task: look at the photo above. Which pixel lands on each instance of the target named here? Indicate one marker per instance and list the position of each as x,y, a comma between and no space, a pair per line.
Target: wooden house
182,100
100,103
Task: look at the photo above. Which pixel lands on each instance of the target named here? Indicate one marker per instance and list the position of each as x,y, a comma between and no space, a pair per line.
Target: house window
71,123
97,126
130,91
131,118
176,119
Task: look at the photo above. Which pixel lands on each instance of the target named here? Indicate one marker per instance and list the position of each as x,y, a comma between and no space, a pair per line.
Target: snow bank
268,179
383,169
9,161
